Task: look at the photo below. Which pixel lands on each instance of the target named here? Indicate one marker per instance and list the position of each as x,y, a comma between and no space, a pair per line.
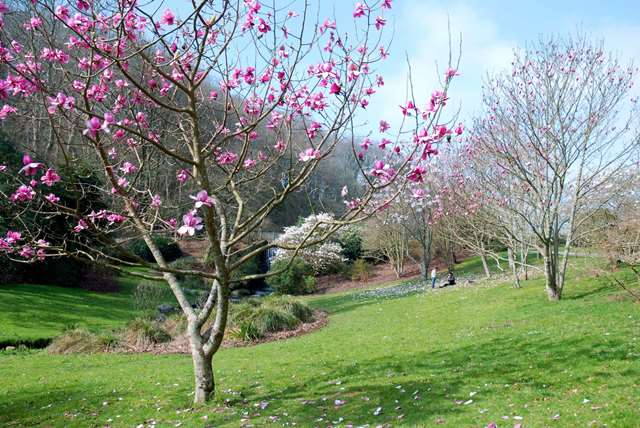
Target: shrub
169,248
80,340
142,332
293,306
255,318
100,279
296,279
360,270
351,242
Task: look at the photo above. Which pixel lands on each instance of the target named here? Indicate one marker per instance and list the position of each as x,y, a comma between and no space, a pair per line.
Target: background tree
560,126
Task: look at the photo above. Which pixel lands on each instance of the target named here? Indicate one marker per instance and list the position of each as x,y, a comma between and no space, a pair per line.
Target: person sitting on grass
451,280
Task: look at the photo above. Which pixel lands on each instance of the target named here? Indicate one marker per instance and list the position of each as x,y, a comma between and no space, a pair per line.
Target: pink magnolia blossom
380,22
279,146
50,177
26,252
459,129
156,202
202,198
192,223
82,225
168,17
128,168
249,163
6,110
335,88
450,73
386,4
182,176
23,194
360,10
309,154
226,158
13,236
30,167
52,198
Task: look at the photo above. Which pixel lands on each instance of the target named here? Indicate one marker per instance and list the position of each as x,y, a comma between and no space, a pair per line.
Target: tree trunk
425,261
553,291
514,268
202,369
485,265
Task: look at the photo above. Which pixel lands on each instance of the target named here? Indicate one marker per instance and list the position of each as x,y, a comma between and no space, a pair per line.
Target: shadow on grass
534,368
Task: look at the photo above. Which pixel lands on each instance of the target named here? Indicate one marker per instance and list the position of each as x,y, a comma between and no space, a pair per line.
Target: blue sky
490,30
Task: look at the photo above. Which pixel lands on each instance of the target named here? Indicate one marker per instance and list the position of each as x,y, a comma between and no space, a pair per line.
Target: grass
504,352
37,313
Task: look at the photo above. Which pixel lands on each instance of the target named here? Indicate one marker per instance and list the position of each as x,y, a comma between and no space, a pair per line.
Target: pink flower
383,143
26,252
360,10
249,163
380,22
50,177
335,88
52,198
384,126
30,167
459,129
93,125
417,174
451,72
13,237
23,194
114,218
226,158
168,17
263,27
156,202
82,225
172,222
386,4
418,193
128,168
382,170
5,110
182,176
192,223
309,154
202,198
279,146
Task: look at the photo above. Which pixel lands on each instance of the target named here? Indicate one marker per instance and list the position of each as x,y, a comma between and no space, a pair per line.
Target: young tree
241,100
559,128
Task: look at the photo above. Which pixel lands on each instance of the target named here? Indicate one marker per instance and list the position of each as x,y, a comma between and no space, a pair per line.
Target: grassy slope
519,354
31,312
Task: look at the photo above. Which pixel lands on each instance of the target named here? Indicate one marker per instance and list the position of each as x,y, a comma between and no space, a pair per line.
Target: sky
489,31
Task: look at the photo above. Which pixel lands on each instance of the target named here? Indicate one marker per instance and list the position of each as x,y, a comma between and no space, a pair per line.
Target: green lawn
453,357
30,313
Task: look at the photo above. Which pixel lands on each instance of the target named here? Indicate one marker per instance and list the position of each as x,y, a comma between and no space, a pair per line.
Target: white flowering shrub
322,257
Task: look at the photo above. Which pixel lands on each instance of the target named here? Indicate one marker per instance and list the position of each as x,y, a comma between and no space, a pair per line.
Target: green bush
255,318
169,248
293,306
351,242
296,279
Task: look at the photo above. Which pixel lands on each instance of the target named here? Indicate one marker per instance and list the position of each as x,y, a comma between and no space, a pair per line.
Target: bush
360,270
169,249
351,242
80,340
255,318
293,306
142,332
296,279
99,279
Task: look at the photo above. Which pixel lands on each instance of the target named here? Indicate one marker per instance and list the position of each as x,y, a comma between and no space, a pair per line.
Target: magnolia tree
558,130
229,95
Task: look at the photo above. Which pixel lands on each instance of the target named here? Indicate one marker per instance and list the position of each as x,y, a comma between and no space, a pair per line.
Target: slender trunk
550,266
514,268
485,265
425,259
